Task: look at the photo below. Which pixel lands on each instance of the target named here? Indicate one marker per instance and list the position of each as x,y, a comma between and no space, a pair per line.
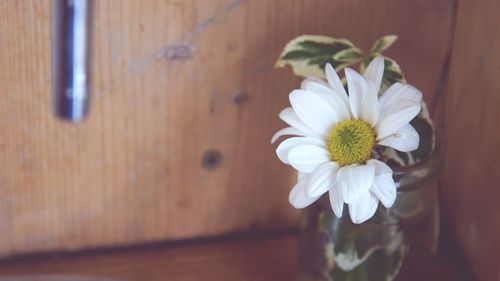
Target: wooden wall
185,100
471,177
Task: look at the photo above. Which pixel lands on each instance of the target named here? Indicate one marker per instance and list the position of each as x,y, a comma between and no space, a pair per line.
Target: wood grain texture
266,258
185,100
471,178
253,259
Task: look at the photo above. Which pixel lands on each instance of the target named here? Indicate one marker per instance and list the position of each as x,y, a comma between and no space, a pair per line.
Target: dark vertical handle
71,42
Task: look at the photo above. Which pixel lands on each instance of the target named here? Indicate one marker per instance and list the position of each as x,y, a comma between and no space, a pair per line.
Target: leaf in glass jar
383,264
358,252
361,252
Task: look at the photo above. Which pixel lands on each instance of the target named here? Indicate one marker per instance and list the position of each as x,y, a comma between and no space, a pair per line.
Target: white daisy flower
336,136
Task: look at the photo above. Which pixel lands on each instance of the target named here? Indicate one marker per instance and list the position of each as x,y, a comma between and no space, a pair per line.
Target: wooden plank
185,99
471,176
269,257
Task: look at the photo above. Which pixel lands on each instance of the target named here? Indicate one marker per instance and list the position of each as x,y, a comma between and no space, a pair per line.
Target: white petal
370,111
355,180
314,84
335,82
356,86
286,131
312,109
398,92
375,72
305,158
396,117
339,105
380,167
290,117
405,139
362,97
364,208
385,189
284,148
336,200
298,198
321,179
383,186
340,108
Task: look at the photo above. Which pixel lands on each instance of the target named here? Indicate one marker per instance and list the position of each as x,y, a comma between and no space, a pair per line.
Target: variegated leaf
383,44
308,54
352,55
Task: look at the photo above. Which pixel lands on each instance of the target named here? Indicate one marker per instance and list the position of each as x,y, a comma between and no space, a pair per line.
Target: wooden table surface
258,257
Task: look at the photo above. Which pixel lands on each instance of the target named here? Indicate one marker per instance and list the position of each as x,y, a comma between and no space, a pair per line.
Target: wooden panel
471,177
272,258
185,101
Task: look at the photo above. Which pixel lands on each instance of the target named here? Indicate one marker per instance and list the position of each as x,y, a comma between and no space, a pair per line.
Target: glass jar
336,249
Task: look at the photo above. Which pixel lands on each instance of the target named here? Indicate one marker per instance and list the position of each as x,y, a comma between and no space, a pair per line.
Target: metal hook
71,41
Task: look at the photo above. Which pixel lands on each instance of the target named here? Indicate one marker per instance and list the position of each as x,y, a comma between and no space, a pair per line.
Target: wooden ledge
249,258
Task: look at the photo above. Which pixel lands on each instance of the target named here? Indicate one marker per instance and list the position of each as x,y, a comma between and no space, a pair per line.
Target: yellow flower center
351,142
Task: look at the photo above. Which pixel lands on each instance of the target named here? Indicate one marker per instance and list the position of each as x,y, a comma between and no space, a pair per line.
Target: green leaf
392,76
297,55
323,60
308,54
383,44
321,47
349,55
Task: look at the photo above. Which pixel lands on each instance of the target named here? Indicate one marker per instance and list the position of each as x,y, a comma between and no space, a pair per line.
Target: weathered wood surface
471,176
269,258
185,99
